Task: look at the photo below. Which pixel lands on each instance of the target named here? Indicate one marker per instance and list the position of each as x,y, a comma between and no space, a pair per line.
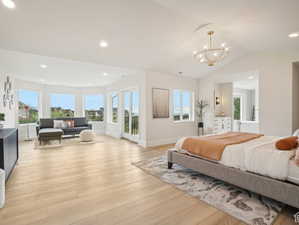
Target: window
94,107
131,112
237,108
28,106
62,105
135,113
114,103
127,109
182,105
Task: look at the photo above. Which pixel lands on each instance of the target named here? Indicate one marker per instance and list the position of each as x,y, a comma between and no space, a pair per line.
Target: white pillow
58,124
296,133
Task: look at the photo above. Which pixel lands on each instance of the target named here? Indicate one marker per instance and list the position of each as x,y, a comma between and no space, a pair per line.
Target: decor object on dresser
222,124
2,119
8,97
2,188
201,105
9,150
87,136
160,103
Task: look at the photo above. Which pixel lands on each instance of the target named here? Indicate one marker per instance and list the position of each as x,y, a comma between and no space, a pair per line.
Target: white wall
10,114
275,88
226,93
166,131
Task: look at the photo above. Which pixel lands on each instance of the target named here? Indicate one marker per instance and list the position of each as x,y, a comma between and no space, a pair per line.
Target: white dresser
222,124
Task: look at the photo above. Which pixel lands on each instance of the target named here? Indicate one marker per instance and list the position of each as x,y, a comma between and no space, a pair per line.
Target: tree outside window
94,107
114,102
62,105
28,106
237,108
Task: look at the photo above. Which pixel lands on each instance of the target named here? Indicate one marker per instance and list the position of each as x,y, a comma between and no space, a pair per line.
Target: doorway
131,115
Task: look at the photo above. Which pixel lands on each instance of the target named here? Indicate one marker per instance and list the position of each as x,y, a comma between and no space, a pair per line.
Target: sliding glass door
131,115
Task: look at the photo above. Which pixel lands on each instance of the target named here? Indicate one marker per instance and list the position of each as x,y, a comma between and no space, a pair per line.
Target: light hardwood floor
97,185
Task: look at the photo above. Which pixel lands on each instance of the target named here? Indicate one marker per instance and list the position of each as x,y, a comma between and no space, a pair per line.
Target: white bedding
258,156
293,172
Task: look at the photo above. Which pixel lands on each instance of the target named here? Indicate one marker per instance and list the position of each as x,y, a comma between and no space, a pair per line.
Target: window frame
39,112
191,115
84,107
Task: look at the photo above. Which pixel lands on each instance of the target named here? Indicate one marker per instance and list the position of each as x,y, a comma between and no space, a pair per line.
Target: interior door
131,115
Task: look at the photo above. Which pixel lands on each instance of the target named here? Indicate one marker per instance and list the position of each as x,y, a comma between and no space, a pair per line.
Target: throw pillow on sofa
58,124
69,123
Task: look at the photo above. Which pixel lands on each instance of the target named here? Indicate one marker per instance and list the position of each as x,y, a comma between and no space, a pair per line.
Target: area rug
54,144
246,206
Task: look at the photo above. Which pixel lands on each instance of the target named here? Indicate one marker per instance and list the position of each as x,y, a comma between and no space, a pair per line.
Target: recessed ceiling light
9,4
43,66
105,74
251,77
103,44
42,80
293,35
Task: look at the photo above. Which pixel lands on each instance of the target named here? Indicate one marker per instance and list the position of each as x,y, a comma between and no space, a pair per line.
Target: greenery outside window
94,107
114,103
62,105
182,105
28,106
237,108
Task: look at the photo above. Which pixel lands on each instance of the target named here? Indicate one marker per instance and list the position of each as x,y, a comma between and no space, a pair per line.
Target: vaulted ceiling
142,34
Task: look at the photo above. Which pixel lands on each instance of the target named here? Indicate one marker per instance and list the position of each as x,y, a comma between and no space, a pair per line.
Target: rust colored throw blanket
212,147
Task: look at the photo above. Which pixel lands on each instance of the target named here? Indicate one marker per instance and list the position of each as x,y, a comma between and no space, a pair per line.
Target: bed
282,186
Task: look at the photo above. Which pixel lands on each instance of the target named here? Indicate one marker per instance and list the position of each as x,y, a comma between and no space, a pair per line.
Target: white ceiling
60,71
142,34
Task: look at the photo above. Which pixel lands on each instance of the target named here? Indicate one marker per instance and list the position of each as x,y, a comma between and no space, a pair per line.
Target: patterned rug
248,207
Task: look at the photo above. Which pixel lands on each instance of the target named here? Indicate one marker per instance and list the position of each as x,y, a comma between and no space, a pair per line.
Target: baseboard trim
158,142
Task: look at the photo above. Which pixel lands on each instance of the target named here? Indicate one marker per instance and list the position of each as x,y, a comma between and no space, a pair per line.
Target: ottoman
47,134
87,136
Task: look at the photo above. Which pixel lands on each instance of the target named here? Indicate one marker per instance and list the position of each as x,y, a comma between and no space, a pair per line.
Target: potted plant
2,118
201,105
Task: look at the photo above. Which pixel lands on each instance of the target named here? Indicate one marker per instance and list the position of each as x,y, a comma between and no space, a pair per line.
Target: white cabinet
222,124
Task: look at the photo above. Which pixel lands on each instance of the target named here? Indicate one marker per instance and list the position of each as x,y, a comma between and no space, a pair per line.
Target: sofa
80,123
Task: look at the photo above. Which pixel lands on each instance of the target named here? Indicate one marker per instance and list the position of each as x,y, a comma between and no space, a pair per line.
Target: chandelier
210,54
